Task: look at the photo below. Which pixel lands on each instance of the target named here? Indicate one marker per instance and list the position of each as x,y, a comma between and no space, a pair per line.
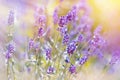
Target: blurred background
103,12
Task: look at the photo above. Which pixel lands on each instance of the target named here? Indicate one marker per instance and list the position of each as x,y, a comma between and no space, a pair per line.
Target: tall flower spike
63,30
40,21
115,57
71,14
10,50
31,43
80,38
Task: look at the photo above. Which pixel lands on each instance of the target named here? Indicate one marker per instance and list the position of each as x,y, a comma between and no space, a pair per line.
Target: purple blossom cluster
72,45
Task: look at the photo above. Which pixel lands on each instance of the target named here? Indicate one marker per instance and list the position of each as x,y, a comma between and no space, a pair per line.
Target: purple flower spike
83,60
31,43
63,30
71,47
41,21
8,55
50,70
66,39
55,17
40,32
62,21
48,53
72,69
11,48
71,15
80,38
11,18
115,57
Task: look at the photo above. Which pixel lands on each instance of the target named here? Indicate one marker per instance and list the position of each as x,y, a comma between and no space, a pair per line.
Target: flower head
55,16
48,53
40,31
83,60
50,70
66,39
62,21
71,47
72,69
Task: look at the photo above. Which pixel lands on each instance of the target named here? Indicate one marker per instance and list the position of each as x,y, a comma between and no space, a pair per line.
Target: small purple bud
40,32
50,70
71,15
66,39
11,18
63,30
55,16
62,21
11,48
71,47
8,55
83,60
31,43
72,69
48,53
80,38
115,57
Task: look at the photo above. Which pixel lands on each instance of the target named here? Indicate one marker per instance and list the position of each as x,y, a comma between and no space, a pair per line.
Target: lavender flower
31,43
55,16
80,38
66,39
71,47
71,15
40,32
11,18
50,70
48,53
115,57
62,21
72,69
83,60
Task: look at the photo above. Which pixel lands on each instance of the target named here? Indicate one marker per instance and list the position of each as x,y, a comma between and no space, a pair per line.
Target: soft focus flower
115,57
55,16
66,39
83,60
71,47
48,53
40,32
72,69
50,70
62,21
11,18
